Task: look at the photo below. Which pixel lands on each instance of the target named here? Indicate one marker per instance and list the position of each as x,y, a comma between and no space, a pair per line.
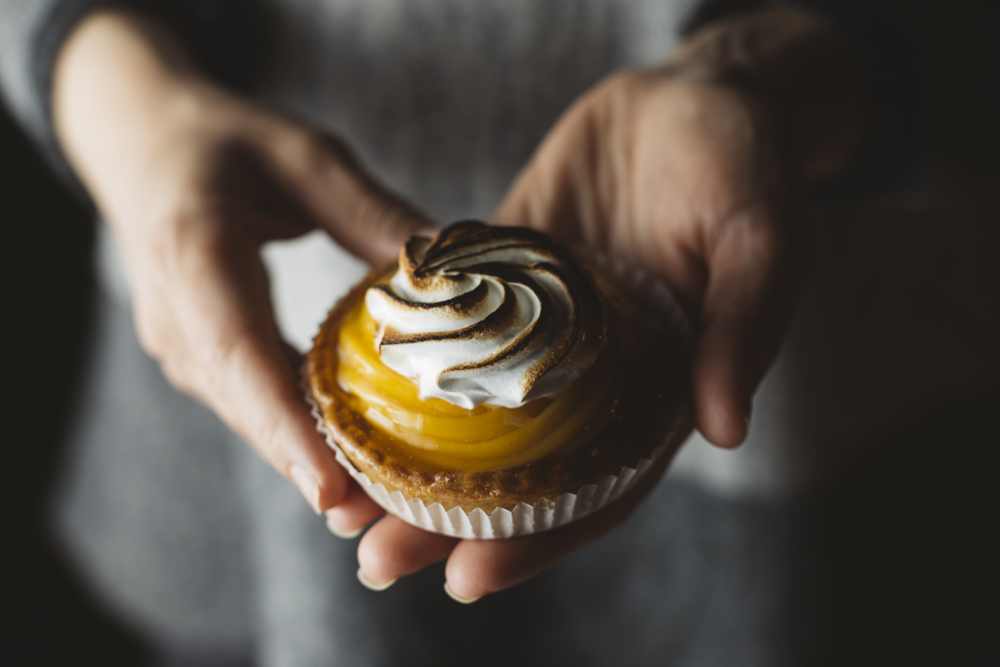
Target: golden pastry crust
653,402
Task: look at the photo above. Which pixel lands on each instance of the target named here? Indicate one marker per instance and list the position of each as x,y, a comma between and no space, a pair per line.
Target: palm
680,179
688,181
650,169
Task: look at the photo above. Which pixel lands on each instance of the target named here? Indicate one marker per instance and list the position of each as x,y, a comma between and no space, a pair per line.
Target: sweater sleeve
929,75
225,37
24,26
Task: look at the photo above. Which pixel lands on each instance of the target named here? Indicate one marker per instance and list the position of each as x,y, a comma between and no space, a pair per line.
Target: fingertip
350,516
392,549
307,485
343,533
755,274
722,418
450,592
481,567
373,583
311,464
722,412
722,425
373,559
464,582
360,212
322,490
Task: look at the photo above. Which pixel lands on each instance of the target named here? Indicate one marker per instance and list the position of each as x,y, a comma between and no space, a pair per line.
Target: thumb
756,270
359,212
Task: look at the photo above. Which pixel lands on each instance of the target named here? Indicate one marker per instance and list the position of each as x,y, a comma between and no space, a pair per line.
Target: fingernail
458,598
371,584
307,486
340,532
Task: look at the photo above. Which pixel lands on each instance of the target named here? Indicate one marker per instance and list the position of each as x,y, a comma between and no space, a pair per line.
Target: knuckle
150,328
176,377
160,256
263,436
156,341
171,245
151,337
215,362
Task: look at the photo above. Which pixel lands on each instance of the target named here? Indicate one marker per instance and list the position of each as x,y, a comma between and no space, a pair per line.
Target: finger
393,548
258,395
756,270
361,214
479,567
353,513
238,361
357,509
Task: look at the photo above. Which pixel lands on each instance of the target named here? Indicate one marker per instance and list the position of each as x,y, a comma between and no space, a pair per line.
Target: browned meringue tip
518,315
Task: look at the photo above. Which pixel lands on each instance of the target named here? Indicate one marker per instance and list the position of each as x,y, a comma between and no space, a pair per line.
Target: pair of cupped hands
683,175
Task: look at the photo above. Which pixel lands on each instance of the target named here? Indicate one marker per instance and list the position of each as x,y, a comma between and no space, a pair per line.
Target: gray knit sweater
193,540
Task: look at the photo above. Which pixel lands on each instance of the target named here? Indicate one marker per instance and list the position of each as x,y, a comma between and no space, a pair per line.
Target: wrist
796,69
123,93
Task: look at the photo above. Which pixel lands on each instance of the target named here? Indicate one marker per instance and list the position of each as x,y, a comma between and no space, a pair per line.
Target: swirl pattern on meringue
487,315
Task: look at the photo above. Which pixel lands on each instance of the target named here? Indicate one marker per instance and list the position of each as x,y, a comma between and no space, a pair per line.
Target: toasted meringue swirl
481,314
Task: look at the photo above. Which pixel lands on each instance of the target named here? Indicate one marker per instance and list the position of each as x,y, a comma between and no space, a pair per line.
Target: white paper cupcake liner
545,514
524,519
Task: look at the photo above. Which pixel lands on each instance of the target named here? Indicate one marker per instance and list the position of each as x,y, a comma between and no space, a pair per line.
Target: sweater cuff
225,38
52,31
881,46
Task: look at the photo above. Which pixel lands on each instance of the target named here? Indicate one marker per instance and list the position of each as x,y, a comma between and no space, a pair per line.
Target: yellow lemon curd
485,438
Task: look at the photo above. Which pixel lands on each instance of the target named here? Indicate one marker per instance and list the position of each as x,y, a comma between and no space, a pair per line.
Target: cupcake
489,383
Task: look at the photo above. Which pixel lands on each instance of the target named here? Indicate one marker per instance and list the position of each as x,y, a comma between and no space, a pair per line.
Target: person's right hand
192,181
692,172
